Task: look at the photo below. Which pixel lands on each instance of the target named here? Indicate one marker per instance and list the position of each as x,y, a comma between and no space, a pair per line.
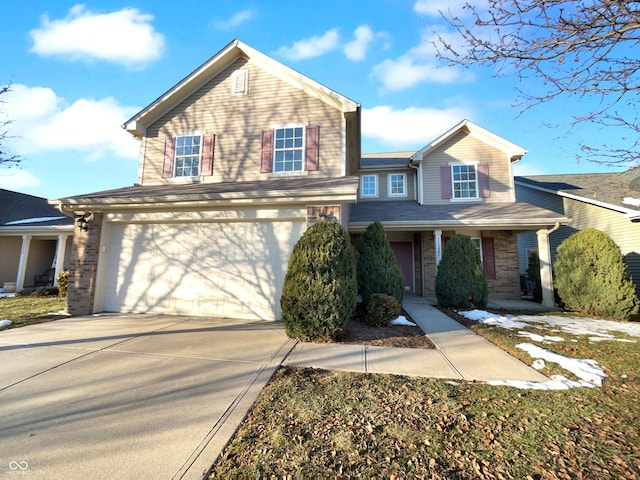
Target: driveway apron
129,396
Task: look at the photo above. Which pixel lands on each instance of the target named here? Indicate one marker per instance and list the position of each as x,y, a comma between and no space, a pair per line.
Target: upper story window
464,180
397,185
187,161
369,186
188,156
288,149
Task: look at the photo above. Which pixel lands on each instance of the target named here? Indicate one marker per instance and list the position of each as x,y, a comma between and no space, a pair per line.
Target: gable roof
385,159
513,151
137,124
615,191
21,210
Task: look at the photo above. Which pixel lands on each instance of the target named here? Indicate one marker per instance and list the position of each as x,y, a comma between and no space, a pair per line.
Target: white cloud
16,179
236,19
357,49
44,122
311,47
412,127
419,64
125,37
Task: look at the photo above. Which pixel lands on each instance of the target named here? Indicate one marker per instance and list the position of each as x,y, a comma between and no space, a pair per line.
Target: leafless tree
6,158
583,51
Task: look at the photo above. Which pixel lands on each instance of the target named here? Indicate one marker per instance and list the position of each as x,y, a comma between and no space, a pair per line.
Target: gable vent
239,82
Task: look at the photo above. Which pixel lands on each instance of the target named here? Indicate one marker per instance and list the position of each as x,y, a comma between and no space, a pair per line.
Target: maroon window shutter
489,258
483,180
208,145
167,164
445,181
266,158
311,148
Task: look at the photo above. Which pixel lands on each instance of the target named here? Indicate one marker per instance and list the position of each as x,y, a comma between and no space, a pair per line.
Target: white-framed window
464,181
187,156
369,186
288,151
397,185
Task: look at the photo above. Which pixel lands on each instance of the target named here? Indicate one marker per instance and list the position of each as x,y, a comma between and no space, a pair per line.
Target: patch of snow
33,220
538,364
7,295
610,338
534,337
571,325
631,201
588,371
402,320
5,323
557,382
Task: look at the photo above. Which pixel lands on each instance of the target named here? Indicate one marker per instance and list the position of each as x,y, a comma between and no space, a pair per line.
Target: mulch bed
359,333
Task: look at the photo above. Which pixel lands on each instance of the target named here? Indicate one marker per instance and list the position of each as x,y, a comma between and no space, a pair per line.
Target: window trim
175,156
404,185
478,196
375,186
302,149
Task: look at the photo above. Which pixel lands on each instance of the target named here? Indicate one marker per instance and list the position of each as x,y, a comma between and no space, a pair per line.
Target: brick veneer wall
82,267
507,281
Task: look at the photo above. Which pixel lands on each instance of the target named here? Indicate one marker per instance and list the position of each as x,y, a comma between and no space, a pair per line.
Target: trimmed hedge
377,270
319,291
460,281
381,309
591,276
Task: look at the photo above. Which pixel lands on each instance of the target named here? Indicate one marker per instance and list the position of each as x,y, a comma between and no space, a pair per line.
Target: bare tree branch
6,158
583,50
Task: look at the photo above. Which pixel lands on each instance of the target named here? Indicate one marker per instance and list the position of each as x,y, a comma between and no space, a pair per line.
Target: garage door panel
218,269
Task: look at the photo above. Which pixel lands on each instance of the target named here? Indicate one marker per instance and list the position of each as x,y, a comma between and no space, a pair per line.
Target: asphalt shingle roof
16,207
609,188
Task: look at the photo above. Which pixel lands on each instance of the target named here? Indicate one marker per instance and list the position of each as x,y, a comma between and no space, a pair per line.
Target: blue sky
78,71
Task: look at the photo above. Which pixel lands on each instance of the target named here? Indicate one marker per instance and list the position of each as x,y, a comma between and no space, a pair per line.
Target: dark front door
403,252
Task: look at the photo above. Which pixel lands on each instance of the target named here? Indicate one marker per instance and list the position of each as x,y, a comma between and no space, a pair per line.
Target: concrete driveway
128,396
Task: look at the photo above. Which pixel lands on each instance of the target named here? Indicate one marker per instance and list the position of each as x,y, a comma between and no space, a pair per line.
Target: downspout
546,274
418,182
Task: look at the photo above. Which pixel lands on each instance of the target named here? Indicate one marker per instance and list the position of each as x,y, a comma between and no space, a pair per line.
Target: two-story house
239,158
462,182
236,160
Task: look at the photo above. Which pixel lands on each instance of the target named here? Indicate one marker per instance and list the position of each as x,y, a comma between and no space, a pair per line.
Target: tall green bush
591,276
319,291
460,281
377,270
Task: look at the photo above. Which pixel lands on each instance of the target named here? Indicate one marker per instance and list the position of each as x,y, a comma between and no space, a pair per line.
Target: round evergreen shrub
460,281
381,309
377,270
319,291
591,276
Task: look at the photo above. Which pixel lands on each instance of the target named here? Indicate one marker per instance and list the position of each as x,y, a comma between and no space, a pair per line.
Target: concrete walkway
459,354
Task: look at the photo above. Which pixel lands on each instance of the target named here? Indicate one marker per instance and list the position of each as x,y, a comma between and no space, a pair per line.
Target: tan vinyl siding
383,185
9,258
237,122
547,200
463,148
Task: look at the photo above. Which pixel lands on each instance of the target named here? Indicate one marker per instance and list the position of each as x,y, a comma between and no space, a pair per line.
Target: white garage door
214,269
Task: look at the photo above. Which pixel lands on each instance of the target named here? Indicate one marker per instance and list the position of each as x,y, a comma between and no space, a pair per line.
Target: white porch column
60,252
546,275
437,236
22,265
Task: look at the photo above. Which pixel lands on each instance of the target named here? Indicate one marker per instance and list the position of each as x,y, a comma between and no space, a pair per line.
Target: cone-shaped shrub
460,282
319,291
591,276
378,271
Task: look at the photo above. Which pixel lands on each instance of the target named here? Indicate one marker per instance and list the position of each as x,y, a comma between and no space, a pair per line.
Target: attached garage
228,269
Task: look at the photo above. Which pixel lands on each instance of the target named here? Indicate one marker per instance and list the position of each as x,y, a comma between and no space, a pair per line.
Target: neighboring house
237,160
240,157
462,182
607,201
34,241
